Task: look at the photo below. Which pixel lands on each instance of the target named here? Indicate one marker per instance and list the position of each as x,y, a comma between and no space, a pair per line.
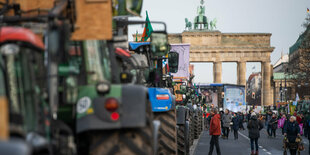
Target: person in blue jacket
235,125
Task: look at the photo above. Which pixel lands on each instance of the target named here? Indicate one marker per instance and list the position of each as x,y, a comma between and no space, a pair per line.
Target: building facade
299,66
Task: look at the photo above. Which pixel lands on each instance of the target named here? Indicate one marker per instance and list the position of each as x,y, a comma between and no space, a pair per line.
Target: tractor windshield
23,74
97,61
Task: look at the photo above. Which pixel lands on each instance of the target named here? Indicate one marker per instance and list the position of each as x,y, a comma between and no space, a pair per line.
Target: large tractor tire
167,143
200,121
183,140
196,129
122,142
191,129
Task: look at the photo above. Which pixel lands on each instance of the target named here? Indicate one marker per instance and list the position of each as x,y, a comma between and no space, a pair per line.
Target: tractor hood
161,99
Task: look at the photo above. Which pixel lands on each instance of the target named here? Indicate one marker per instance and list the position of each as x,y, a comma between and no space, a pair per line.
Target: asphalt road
241,146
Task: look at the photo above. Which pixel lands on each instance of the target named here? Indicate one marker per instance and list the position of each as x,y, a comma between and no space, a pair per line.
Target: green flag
147,29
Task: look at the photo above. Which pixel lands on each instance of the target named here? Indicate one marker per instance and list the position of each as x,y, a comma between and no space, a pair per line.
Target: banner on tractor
183,68
94,20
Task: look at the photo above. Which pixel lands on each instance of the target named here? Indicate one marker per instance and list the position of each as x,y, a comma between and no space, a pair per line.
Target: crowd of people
292,126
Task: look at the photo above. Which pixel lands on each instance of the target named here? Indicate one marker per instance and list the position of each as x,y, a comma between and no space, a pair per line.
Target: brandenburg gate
217,47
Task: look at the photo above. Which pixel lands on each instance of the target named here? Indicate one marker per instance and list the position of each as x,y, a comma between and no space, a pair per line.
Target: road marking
246,137
264,150
260,147
268,153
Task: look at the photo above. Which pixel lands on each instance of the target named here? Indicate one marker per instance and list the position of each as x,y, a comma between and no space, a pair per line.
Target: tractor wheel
124,141
200,122
196,129
62,135
192,129
181,139
167,132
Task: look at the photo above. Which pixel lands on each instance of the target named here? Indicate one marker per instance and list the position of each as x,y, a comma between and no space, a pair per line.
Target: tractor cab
22,86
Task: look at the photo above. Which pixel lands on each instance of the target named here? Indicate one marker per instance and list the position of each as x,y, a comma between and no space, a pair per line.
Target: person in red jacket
215,132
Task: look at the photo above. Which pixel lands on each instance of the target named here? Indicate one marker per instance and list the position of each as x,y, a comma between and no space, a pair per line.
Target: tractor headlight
103,87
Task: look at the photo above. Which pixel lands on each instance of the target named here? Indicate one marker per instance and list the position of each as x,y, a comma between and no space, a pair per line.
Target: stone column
266,90
217,72
241,69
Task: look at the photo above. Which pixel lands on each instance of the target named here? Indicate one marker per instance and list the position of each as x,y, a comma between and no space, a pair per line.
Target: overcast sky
282,18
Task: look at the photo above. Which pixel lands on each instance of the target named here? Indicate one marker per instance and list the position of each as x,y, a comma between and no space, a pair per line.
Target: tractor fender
132,111
181,115
187,134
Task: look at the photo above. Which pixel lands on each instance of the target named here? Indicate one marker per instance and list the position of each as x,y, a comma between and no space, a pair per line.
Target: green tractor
110,117
22,78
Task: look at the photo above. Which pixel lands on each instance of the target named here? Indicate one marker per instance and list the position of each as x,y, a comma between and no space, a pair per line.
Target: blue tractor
157,77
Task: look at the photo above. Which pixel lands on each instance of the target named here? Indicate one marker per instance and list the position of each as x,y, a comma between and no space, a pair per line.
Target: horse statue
188,24
213,24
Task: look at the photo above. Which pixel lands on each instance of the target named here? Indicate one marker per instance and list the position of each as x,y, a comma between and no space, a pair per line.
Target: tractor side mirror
159,43
173,61
58,40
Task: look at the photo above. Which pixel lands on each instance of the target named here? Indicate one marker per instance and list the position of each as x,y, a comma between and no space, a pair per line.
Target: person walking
231,123
221,115
282,122
215,132
305,125
226,123
268,118
254,126
291,131
273,125
241,118
235,126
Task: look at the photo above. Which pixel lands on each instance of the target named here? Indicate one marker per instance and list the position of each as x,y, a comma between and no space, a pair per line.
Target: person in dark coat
215,132
235,125
292,131
273,123
222,130
268,118
241,118
254,126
